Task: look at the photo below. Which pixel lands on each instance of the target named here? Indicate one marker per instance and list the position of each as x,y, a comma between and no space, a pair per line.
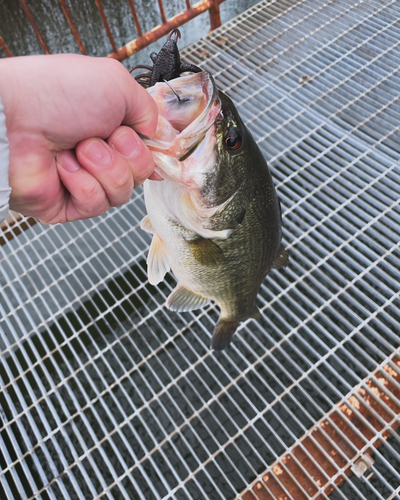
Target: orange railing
143,40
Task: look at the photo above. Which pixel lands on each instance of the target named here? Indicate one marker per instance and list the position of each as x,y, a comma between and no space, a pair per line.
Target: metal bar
100,360
14,225
106,25
162,12
3,45
34,26
215,16
135,18
159,31
342,461
73,27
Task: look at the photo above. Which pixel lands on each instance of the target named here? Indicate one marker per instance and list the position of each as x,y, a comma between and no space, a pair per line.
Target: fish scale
216,219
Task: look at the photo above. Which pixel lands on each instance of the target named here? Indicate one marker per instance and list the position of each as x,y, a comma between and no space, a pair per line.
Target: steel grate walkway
106,394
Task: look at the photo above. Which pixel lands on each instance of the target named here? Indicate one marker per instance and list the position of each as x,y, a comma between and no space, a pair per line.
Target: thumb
141,110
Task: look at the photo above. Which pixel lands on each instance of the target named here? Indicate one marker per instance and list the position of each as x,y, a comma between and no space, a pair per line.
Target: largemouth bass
215,218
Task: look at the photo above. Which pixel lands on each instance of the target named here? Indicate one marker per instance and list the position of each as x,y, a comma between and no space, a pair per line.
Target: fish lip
196,130
206,81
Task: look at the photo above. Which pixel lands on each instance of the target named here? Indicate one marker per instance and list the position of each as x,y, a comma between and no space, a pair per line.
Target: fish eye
233,142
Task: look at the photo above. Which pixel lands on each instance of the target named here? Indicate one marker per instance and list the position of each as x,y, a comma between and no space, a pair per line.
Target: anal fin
157,261
183,299
281,260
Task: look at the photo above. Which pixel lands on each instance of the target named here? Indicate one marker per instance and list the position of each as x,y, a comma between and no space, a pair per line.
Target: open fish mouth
187,108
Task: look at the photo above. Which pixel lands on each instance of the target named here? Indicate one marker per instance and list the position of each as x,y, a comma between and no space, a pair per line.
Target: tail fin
223,334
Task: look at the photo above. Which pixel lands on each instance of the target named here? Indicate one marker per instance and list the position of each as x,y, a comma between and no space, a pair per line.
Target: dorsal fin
157,261
183,299
281,260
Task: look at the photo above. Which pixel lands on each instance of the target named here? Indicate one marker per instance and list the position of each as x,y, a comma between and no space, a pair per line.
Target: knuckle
114,67
92,192
103,209
94,210
113,64
93,201
120,201
123,181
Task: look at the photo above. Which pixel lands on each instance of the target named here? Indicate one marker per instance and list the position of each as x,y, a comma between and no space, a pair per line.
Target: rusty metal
34,26
14,225
159,31
142,41
215,16
363,421
162,12
135,18
3,45
106,25
73,27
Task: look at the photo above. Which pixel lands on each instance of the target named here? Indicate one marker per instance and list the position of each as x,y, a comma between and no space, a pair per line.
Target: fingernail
125,143
97,152
68,161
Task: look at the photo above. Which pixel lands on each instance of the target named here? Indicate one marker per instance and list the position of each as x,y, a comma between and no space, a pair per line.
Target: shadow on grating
138,408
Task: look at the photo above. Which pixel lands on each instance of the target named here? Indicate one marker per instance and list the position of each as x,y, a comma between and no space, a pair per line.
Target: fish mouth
187,109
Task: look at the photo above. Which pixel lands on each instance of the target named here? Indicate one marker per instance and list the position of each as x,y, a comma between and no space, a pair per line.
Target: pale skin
72,124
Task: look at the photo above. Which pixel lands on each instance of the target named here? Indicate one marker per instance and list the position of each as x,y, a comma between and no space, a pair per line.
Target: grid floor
106,394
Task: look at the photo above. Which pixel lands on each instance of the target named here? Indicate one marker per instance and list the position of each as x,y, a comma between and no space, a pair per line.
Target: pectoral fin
205,251
182,299
282,259
229,218
230,215
145,225
157,261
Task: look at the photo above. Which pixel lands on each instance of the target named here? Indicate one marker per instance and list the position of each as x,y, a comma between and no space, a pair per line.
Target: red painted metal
215,16
3,45
106,25
73,27
34,26
135,18
162,12
174,22
143,40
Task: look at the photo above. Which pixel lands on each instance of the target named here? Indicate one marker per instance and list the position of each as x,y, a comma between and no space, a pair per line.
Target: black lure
167,63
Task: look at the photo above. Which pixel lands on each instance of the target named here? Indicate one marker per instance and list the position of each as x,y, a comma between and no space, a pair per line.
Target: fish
215,219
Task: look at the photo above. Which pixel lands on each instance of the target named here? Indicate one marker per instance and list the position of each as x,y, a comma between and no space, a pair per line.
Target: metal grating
105,394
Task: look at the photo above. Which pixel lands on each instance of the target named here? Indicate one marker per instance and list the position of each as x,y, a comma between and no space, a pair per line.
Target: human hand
70,158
